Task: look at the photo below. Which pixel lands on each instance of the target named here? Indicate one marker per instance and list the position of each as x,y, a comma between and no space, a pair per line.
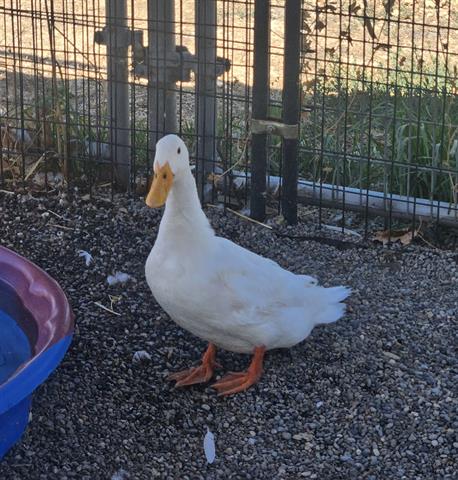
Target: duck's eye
164,176
179,150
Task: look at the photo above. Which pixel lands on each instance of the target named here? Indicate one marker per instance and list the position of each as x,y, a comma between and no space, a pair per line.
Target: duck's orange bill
160,187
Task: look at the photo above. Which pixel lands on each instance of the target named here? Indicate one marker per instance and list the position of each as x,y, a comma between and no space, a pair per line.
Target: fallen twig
107,309
342,230
56,214
114,299
427,242
61,226
217,178
241,215
34,167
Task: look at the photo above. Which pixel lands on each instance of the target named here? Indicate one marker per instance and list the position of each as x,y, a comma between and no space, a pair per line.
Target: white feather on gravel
141,356
120,475
209,446
86,255
118,277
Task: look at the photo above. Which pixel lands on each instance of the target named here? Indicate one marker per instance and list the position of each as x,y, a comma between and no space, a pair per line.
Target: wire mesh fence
381,82
343,104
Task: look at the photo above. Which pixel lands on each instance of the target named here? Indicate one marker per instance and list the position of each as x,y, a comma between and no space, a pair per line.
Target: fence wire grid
345,104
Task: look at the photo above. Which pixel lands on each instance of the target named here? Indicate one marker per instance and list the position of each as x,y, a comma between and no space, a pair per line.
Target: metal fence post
260,105
117,40
291,107
205,18
162,57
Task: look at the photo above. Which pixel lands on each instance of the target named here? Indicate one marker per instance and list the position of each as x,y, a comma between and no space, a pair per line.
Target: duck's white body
224,293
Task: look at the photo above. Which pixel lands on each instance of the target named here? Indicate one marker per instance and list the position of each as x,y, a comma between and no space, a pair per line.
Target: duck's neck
183,217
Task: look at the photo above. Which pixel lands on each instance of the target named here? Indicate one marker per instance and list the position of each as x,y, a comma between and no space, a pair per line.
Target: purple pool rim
40,295
48,322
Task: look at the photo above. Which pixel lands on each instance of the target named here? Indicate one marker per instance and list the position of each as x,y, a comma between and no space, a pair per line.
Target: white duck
219,291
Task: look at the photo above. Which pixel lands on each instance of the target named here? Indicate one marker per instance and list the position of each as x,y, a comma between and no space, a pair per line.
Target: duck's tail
333,308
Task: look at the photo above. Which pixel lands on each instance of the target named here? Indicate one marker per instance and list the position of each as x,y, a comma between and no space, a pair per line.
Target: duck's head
171,161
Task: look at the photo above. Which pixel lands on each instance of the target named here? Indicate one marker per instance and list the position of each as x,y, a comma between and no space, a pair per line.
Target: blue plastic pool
36,328
15,348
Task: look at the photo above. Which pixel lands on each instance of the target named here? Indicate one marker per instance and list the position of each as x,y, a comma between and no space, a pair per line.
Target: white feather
86,255
120,475
118,277
209,446
141,356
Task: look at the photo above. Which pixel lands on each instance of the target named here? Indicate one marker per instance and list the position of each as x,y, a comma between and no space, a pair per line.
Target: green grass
410,138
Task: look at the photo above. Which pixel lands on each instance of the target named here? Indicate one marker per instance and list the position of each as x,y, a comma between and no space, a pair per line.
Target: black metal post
205,12
162,58
118,89
260,105
291,107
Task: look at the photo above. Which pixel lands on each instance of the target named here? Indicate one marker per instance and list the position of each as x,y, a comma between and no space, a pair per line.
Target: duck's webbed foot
201,374
240,381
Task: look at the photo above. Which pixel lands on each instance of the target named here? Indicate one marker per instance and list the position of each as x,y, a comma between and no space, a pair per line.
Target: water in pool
14,346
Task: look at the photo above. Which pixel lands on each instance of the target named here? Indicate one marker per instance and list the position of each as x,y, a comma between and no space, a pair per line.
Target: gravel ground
373,396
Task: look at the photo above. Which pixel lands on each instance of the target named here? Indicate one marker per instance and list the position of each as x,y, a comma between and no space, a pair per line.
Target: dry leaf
305,116
391,236
320,25
369,28
388,6
214,178
383,46
306,29
309,84
368,23
327,8
8,139
345,35
354,7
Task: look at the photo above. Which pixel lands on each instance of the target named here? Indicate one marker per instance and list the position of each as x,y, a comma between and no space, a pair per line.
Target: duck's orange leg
240,381
200,374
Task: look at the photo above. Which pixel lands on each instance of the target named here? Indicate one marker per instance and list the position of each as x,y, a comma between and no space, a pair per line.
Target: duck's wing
265,304
257,282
